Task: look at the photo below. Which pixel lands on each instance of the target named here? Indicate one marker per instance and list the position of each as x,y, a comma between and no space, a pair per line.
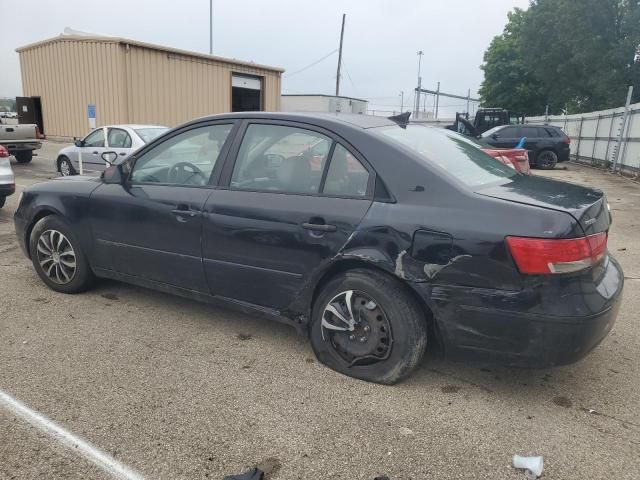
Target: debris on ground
532,466
253,474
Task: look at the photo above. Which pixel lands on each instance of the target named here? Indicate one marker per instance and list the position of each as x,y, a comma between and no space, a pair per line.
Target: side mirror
78,143
109,157
113,174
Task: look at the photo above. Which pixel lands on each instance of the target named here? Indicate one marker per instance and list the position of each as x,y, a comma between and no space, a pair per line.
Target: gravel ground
176,389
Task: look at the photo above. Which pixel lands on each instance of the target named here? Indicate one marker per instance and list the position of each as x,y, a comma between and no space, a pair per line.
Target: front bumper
20,226
530,328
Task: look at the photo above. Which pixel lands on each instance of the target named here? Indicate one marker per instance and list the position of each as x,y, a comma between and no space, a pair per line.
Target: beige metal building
134,82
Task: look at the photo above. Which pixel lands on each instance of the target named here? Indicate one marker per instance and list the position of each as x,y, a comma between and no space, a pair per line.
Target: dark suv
547,145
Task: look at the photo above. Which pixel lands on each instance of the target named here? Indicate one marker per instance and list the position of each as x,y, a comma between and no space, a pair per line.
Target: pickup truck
20,140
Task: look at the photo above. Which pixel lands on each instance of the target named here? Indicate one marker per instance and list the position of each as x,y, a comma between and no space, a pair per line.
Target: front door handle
185,211
319,227
95,153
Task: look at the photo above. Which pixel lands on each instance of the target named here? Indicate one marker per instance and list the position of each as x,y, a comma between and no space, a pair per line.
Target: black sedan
375,238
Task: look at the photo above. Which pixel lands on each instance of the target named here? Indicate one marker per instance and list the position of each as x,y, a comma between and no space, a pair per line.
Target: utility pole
468,100
401,101
340,56
437,100
417,109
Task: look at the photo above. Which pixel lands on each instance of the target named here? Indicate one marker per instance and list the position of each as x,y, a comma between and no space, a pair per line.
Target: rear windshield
457,155
148,134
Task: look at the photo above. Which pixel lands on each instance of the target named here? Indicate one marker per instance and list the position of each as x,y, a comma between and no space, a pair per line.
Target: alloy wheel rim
65,169
547,158
356,328
56,257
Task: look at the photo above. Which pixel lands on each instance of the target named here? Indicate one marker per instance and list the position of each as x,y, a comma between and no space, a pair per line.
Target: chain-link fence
606,138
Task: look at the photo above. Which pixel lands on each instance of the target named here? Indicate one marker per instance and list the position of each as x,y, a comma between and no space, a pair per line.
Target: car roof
133,126
352,119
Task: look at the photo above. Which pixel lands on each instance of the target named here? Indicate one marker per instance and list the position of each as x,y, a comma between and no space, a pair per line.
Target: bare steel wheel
368,325
66,169
357,328
56,257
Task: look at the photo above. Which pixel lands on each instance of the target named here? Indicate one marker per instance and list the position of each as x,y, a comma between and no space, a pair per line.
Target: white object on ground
532,465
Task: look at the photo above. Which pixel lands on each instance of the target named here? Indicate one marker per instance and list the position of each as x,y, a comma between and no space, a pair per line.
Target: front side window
150,133
95,138
454,154
185,159
280,159
346,176
118,138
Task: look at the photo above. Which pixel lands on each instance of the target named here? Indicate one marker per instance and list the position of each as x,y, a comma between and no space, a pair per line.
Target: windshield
148,134
458,156
488,133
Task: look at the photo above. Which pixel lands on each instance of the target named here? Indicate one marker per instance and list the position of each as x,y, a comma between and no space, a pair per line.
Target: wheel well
39,216
60,157
346,265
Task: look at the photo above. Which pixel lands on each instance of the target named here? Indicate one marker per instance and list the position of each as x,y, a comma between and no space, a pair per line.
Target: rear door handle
319,227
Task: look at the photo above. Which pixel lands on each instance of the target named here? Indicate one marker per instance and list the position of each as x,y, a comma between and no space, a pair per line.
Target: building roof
82,36
322,95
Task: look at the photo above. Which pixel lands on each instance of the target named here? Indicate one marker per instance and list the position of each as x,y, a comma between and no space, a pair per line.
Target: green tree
574,52
507,80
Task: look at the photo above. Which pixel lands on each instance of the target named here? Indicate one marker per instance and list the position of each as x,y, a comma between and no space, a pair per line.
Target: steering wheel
183,172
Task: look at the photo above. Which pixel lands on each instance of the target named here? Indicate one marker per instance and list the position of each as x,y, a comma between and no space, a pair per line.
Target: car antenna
401,119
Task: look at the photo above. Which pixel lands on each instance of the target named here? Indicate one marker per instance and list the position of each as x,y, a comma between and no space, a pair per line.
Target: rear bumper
563,153
7,189
520,328
14,147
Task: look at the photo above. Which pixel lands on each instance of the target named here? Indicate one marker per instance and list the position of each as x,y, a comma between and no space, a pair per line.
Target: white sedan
122,139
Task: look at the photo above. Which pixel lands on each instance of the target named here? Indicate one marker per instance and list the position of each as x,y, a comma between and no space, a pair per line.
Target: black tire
65,167
546,160
2,201
82,277
24,156
407,340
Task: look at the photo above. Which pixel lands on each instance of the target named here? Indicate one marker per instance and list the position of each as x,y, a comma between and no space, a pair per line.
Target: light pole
419,53
401,101
210,27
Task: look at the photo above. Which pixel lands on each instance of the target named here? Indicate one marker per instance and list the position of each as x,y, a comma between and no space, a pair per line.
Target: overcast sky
380,43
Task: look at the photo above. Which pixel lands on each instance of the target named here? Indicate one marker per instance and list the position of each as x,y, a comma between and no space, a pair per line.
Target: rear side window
346,176
280,159
118,138
509,132
531,132
453,153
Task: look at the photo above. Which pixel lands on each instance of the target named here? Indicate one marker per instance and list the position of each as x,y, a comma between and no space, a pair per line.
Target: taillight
566,140
545,256
3,152
38,134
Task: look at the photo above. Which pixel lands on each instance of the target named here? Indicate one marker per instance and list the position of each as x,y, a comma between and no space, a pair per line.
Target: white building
322,103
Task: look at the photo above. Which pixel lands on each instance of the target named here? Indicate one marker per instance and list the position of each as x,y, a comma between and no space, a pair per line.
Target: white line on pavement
71,441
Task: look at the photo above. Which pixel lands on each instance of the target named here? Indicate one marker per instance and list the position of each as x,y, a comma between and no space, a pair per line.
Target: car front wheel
365,324
66,168
57,256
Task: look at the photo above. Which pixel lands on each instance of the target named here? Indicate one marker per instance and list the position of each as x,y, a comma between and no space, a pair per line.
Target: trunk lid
587,205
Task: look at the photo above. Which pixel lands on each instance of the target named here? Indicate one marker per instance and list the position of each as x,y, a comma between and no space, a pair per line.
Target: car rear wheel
24,156
66,168
546,160
57,256
366,325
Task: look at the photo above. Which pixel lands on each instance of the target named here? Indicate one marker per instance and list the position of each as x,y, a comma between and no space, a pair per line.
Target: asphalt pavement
177,389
